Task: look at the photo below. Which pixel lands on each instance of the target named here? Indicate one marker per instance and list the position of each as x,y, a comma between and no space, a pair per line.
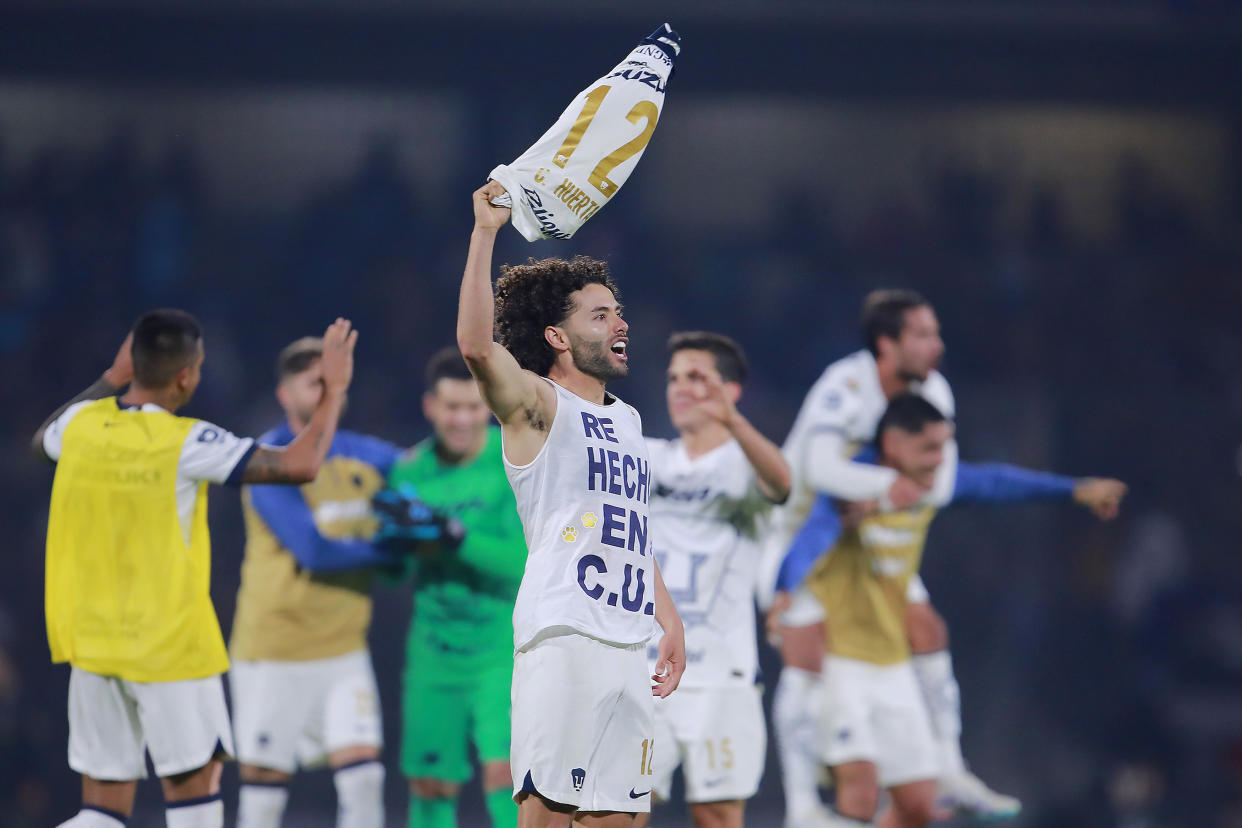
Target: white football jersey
583,503
580,163
710,515
846,399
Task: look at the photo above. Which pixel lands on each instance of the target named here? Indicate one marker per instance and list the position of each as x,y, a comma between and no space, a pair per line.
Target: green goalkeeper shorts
445,709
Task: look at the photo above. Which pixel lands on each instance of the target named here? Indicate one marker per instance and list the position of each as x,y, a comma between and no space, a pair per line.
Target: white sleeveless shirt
583,504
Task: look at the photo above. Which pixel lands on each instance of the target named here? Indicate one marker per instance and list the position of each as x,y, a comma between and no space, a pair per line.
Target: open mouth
619,348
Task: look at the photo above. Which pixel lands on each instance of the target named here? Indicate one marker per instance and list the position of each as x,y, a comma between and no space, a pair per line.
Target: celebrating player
459,654
876,728
128,566
712,488
591,592
303,687
838,418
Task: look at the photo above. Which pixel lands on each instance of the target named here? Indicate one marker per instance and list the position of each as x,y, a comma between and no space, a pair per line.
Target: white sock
207,812
944,704
360,795
795,721
261,806
92,817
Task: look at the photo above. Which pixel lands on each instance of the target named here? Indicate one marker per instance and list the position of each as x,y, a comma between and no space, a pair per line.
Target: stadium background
1061,178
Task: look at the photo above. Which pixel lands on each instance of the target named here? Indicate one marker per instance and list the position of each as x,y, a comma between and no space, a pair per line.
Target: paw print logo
589,520
569,534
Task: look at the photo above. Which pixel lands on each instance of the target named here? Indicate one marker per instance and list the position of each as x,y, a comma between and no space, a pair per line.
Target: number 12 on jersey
590,107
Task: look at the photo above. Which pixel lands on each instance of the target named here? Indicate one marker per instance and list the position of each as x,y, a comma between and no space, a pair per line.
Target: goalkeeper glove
406,522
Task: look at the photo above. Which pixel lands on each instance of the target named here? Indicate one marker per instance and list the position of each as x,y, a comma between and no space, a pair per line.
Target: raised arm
1003,483
511,392
831,472
299,461
109,383
771,469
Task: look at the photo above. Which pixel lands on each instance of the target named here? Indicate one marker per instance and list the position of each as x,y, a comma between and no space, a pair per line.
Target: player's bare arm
522,402
299,461
771,469
671,661
109,383
1101,495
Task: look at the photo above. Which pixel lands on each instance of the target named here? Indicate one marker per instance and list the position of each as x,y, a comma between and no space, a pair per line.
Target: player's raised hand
1102,495
670,663
122,371
487,215
714,399
338,356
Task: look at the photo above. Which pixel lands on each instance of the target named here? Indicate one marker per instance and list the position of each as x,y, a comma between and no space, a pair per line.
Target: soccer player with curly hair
591,594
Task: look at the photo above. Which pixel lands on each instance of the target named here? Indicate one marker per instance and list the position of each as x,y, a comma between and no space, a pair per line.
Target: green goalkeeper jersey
463,598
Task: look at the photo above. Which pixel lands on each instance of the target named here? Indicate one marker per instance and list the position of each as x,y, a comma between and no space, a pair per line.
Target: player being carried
876,732
459,654
129,566
836,421
711,492
592,593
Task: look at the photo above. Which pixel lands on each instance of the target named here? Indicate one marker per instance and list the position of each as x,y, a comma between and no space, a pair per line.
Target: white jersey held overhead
582,161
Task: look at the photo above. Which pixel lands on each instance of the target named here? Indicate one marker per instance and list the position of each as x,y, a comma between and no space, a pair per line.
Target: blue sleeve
285,512
379,453
1002,483
819,532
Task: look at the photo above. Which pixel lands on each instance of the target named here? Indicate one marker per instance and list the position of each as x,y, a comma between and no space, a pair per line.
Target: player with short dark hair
876,729
129,565
713,488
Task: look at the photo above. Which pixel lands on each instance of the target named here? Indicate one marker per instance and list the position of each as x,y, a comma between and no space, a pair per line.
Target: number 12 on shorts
644,766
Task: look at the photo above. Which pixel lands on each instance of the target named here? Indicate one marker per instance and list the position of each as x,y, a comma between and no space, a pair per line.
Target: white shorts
876,714
582,724
292,714
717,736
182,724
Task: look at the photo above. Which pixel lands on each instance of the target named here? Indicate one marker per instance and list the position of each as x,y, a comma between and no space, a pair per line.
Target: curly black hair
532,296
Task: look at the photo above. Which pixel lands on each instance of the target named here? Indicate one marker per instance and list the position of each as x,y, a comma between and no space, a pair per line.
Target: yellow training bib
128,586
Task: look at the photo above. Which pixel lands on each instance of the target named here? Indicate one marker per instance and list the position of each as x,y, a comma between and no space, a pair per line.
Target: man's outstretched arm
509,390
299,461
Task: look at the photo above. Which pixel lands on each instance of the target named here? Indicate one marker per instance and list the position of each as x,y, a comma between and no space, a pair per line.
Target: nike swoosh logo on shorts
638,795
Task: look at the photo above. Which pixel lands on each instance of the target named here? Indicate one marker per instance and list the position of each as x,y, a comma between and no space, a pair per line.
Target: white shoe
818,817
966,794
